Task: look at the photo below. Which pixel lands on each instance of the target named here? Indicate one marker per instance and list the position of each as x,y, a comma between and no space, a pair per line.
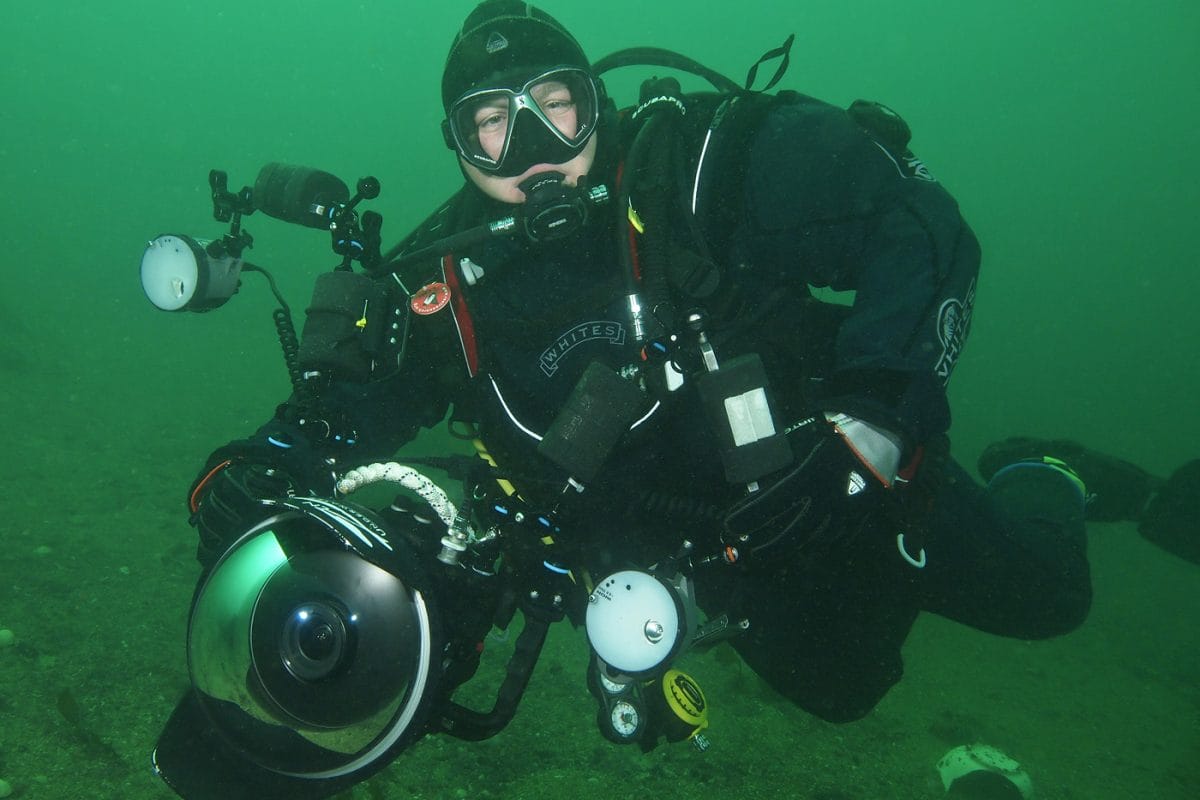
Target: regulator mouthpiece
553,210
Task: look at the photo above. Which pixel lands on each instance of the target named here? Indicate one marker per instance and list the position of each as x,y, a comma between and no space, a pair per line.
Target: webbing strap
462,315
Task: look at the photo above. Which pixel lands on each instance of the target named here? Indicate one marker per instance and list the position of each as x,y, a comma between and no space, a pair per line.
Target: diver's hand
298,466
843,468
228,495
231,501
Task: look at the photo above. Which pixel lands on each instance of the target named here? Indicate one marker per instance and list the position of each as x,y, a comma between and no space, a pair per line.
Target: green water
1066,130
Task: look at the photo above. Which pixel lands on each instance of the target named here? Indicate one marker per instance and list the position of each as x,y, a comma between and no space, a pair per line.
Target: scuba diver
615,308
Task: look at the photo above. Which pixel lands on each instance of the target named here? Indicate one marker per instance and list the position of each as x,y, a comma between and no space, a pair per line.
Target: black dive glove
841,475
227,496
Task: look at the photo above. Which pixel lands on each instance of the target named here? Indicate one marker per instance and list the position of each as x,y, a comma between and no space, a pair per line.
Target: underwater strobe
182,273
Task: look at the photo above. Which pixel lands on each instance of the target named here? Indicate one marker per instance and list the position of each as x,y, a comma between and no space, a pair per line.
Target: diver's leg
826,629
1011,558
1172,517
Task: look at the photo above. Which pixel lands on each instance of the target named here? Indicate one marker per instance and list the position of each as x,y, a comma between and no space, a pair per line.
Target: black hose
289,342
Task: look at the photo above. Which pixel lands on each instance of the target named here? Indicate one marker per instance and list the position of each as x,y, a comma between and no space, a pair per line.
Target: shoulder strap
427,291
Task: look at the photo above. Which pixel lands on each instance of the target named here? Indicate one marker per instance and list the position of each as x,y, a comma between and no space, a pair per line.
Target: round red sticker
431,299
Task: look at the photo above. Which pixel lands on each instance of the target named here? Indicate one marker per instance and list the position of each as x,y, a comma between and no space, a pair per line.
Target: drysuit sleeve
352,423
827,204
368,422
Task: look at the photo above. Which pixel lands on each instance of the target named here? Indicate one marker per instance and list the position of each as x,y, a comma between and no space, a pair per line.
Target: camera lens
317,642
314,641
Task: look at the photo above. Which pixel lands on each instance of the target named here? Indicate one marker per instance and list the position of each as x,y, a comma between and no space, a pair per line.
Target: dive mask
547,120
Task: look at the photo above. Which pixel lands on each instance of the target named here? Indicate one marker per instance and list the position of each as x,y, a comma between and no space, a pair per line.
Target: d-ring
919,561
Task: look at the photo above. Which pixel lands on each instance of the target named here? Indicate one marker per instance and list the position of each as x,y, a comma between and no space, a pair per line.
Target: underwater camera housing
325,638
314,653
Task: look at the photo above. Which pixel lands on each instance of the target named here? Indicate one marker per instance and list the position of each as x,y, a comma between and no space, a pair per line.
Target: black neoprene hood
502,44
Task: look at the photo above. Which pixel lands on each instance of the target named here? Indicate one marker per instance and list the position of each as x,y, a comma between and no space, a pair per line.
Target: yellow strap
635,220
482,451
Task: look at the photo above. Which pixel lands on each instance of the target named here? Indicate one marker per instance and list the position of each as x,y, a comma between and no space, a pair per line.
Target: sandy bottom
96,572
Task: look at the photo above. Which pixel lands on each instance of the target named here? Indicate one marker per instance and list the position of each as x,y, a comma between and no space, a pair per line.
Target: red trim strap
194,498
631,233
462,315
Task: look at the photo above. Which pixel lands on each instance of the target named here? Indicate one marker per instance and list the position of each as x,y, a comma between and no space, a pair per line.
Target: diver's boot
1167,511
1115,489
1044,493
1172,518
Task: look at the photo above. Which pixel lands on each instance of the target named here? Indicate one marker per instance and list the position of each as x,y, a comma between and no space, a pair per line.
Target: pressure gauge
625,719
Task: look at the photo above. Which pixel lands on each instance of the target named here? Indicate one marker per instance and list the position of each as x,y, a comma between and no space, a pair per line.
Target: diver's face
548,124
490,115
505,189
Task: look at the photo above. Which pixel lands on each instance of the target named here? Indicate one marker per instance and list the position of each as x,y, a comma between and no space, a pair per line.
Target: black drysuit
807,197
